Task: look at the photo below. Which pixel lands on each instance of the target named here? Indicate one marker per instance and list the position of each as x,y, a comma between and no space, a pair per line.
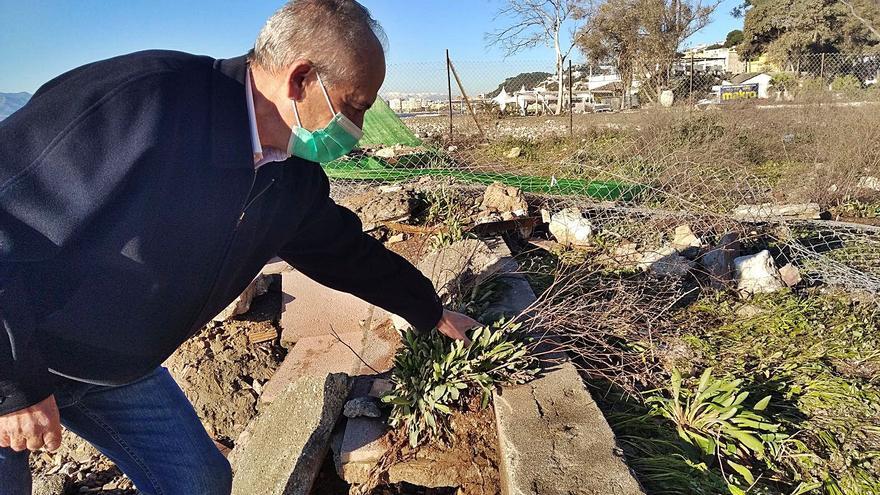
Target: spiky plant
433,375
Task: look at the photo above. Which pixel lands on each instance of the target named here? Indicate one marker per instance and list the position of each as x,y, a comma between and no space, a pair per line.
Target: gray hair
332,34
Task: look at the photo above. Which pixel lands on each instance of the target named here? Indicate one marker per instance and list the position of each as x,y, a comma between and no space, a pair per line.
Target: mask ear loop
326,96
296,113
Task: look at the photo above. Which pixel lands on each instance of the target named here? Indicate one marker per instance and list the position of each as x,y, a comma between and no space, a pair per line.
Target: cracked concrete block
460,265
311,309
289,439
554,440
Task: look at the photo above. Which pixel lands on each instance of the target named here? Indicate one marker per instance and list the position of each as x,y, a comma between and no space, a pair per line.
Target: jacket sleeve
332,249
58,169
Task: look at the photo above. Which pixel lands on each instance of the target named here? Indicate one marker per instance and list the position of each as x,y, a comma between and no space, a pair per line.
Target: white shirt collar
261,156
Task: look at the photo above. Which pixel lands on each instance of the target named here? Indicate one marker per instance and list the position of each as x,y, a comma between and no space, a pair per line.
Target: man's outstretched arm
332,249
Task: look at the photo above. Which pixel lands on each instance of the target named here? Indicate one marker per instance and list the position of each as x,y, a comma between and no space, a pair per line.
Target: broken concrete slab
790,275
766,211
258,286
375,207
459,265
363,442
757,274
316,357
276,266
554,440
311,309
290,438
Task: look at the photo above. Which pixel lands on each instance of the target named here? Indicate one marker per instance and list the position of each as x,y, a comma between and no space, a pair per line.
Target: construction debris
241,304
766,211
757,274
570,227
499,198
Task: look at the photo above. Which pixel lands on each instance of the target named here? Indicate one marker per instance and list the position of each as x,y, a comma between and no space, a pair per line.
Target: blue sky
40,39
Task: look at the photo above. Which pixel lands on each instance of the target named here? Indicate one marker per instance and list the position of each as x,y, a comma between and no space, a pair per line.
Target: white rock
872,183
790,274
685,238
570,227
757,274
452,149
545,216
514,152
502,198
662,262
385,153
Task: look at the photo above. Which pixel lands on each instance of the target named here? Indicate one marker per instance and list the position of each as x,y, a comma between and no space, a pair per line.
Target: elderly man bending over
140,195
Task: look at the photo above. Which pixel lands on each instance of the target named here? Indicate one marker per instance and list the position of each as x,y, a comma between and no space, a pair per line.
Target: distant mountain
527,79
10,102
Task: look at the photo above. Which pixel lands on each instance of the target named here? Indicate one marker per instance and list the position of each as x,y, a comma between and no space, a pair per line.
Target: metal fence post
570,102
822,66
449,89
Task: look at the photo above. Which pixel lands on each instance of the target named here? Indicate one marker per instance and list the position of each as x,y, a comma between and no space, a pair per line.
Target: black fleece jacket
131,214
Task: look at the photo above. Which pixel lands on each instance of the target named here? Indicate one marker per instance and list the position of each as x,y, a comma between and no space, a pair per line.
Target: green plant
715,418
433,375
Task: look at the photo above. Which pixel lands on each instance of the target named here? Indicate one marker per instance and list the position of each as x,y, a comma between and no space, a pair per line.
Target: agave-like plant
716,419
433,375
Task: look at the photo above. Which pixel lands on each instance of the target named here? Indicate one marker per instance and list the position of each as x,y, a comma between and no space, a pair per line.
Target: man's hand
454,325
32,428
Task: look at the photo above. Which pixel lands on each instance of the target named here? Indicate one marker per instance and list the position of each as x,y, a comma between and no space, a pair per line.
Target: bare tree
531,23
875,29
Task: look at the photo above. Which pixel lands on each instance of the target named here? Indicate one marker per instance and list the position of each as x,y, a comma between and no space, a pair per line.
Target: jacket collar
230,136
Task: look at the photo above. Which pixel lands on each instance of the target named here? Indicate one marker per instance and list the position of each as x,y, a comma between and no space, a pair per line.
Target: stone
790,275
673,265
310,309
872,183
514,152
385,152
504,199
515,297
290,438
570,227
394,239
807,211
364,441
684,238
757,274
241,304
53,484
718,262
375,207
459,265
545,216
554,440
362,406
667,98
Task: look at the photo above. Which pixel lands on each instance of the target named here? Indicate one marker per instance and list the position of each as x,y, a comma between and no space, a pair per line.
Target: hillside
10,102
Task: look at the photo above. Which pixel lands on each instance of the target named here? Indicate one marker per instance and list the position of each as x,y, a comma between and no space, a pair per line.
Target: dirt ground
220,371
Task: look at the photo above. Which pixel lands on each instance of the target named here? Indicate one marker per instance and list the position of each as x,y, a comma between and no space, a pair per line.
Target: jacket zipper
255,198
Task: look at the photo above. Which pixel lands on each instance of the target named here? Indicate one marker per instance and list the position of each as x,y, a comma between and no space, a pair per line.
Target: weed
432,375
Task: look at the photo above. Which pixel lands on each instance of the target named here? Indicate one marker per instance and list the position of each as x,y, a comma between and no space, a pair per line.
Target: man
139,196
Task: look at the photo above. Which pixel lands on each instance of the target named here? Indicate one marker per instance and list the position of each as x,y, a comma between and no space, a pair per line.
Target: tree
613,36
788,29
734,38
530,23
644,36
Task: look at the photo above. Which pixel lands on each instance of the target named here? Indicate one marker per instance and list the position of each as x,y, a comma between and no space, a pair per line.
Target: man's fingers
35,442
18,443
52,440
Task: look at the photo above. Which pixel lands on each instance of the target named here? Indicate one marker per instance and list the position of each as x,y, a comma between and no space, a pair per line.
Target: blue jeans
148,428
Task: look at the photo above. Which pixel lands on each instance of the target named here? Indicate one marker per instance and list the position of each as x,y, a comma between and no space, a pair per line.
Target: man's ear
297,77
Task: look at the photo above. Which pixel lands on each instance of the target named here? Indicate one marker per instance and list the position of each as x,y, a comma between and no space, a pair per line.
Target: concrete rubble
767,211
868,182
461,264
570,227
362,406
757,274
376,207
242,303
288,441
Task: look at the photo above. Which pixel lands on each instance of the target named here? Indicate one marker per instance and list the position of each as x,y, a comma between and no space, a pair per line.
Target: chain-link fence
732,152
